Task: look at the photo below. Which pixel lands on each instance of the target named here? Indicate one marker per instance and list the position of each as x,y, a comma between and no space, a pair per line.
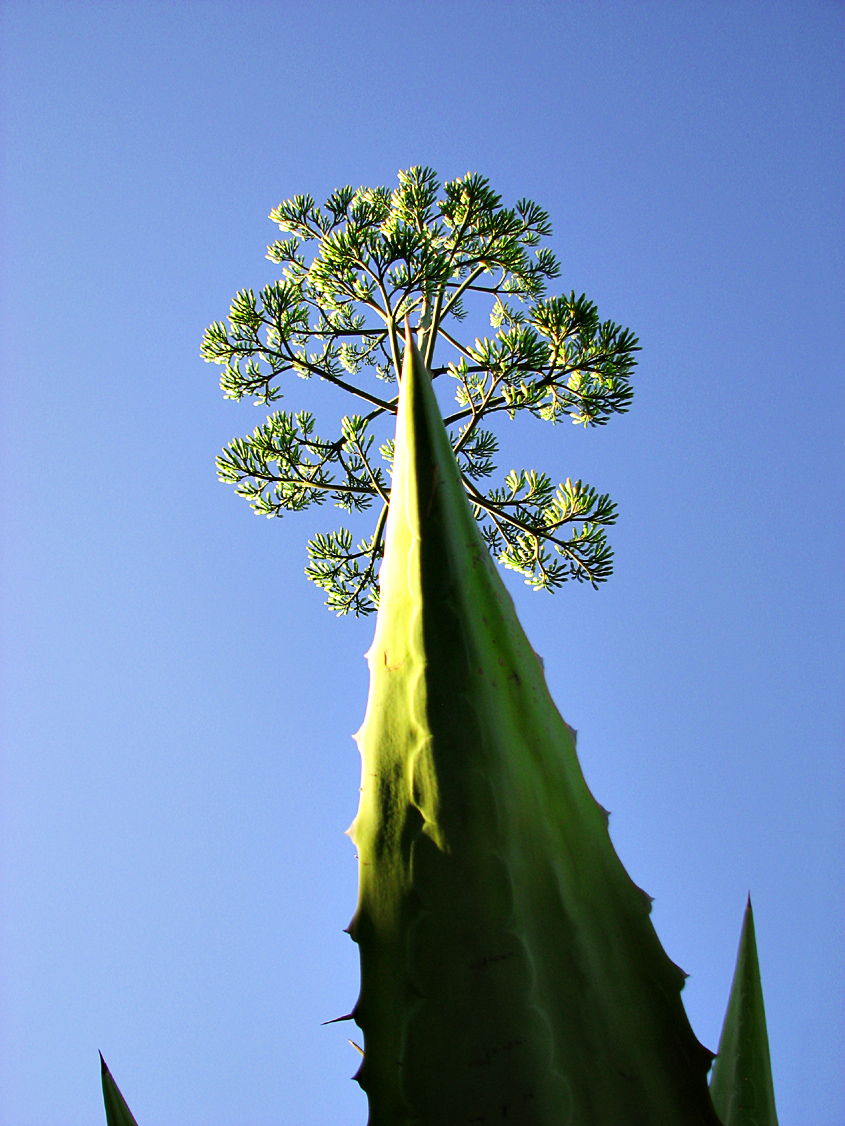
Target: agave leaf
117,1112
509,968
741,1086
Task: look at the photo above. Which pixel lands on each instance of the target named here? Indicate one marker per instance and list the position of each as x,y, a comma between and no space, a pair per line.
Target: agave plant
510,972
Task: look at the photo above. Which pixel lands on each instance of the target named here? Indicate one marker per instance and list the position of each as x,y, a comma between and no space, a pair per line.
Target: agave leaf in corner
117,1112
509,968
741,1085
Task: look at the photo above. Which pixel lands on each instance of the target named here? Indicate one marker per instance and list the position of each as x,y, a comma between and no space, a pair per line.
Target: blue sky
177,706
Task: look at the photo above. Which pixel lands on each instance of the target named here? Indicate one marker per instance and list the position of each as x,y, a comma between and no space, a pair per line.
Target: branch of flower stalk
477,414
384,496
440,311
305,483
296,362
536,534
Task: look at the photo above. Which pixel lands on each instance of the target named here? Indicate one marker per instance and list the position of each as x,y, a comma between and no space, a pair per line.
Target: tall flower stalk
351,272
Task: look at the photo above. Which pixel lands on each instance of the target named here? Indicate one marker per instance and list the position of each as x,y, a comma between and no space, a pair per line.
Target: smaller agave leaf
117,1112
741,1085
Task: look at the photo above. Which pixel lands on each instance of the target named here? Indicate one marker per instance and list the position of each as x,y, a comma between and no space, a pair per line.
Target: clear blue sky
177,704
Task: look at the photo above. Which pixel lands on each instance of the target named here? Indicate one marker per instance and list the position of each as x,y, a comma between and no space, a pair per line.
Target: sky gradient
177,704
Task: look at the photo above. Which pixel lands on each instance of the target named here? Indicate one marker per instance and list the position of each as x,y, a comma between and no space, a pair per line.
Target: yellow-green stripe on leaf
509,969
741,1085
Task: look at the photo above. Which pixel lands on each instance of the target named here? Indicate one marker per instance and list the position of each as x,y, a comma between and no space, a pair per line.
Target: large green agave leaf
509,968
741,1085
117,1112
